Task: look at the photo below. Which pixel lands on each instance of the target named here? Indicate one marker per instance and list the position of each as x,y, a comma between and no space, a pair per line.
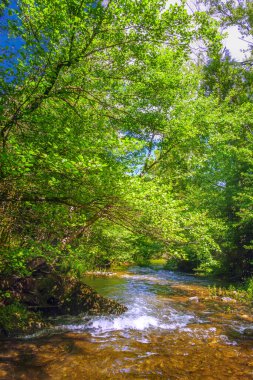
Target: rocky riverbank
27,302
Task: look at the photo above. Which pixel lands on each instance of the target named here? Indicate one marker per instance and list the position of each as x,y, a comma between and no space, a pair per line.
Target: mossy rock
15,320
43,294
79,298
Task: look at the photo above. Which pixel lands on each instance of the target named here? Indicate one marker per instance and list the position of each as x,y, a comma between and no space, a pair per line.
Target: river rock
100,274
54,294
245,317
228,299
248,333
80,298
194,299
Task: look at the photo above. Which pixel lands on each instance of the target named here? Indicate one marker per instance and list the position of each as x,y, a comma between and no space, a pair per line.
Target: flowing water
172,330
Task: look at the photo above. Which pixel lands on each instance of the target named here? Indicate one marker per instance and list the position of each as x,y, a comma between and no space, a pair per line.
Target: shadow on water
29,360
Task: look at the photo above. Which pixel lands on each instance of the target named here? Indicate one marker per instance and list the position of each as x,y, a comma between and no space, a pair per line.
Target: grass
242,293
157,262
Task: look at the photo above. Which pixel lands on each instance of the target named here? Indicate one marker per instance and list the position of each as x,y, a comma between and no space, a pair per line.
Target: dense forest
126,134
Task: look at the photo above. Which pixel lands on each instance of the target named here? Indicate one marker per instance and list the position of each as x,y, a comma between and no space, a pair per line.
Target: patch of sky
233,39
221,184
10,45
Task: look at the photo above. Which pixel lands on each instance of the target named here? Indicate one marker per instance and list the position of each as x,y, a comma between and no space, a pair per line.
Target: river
173,329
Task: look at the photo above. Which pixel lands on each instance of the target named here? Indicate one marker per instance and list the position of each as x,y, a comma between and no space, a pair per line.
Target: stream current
173,329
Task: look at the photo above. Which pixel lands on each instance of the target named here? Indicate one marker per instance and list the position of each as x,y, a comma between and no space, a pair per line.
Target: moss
15,319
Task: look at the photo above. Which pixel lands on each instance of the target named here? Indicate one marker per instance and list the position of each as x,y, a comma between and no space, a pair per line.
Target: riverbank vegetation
126,134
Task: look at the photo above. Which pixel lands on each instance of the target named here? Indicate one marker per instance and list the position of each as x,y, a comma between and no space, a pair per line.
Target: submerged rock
245,317
100,274
248,333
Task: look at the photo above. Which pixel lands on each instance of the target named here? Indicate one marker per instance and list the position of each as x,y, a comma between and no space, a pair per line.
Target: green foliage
14,262
116,146
240,292
16,319
249,288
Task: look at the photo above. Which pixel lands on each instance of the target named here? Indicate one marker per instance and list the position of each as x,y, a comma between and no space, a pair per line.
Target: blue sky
13,44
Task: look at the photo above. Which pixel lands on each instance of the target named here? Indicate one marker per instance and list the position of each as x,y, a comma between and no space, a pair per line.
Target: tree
114,139
77,101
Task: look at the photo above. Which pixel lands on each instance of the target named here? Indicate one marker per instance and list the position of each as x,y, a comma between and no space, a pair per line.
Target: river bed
173,329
